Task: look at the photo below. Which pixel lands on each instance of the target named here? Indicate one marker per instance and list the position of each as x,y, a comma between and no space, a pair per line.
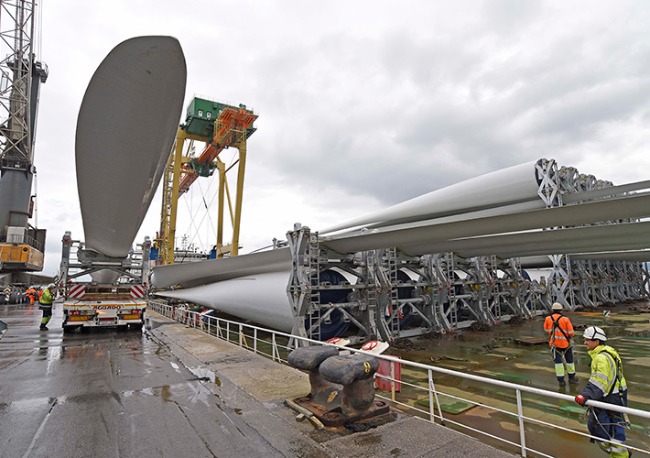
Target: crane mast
21,245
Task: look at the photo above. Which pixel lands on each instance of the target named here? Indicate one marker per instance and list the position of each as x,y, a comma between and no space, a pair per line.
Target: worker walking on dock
45,302
561,333
31,294
606,384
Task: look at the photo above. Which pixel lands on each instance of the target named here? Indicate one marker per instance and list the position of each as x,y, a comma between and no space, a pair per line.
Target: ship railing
275,345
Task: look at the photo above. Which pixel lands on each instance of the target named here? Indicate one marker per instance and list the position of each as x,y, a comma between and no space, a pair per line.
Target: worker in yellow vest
607,384
45,304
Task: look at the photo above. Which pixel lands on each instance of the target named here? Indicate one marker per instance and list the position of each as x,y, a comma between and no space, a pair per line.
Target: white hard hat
594,333
51,285
556,306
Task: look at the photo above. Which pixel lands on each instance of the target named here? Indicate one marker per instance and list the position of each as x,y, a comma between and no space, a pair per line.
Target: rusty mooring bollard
355,373
323,394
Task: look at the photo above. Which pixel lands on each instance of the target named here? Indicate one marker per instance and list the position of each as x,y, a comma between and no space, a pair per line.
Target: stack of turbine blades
417,235
435,237
498,214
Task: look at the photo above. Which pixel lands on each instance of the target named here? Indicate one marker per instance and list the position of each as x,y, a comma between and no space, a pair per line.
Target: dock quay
258,387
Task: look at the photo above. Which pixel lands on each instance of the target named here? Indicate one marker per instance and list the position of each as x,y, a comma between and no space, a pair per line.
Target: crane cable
194,214
206,205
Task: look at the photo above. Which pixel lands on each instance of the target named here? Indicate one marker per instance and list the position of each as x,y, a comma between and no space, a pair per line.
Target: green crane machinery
219,126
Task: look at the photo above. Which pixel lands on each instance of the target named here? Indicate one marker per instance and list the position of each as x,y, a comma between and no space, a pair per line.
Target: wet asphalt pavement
107,393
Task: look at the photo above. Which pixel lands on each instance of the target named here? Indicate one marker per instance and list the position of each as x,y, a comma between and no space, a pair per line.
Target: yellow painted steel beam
221,166
241,145
223,250
170,201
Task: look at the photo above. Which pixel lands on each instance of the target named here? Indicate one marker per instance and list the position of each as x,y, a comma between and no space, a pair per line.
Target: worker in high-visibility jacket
606,384
45,304
31,294
560,331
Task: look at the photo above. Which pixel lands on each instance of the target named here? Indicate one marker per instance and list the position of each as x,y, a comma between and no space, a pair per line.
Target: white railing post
520,413
273,348
392,381
434,393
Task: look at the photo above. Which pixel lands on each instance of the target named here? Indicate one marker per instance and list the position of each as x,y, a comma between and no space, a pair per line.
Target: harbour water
495,353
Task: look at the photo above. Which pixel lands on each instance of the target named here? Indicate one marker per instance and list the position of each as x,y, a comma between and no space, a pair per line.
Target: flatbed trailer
89,304
104,306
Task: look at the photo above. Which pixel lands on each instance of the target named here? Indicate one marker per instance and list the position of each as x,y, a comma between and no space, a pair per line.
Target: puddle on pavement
205,375
495,354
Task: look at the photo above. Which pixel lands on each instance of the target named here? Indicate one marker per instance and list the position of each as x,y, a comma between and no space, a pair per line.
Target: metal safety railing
275,345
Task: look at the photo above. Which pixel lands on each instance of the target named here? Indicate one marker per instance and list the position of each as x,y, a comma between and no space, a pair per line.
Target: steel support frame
309,259
441,300
518,288
90,262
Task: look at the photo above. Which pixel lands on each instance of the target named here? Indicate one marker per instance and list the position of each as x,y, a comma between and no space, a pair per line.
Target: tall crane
22,246
219,126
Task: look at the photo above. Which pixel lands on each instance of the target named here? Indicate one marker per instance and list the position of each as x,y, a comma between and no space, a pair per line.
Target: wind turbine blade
259,298
202,272
512,185
550,240
127,124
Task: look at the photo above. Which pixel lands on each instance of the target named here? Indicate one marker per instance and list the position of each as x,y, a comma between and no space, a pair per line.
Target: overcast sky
363,104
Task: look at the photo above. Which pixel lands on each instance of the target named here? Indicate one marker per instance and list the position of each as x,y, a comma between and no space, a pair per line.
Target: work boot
44,328
574,380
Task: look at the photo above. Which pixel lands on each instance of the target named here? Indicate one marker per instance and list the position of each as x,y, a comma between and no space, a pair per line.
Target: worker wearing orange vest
31,294
560,330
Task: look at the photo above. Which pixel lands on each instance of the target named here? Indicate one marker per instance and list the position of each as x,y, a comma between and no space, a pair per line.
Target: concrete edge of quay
256,388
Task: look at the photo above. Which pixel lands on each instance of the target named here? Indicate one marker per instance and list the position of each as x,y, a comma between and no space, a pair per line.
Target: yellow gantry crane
219,126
